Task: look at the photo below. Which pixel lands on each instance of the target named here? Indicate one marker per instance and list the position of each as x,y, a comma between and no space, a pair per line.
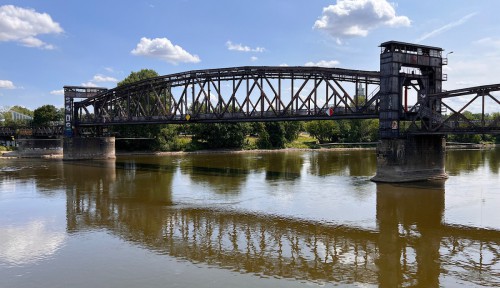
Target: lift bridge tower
403,157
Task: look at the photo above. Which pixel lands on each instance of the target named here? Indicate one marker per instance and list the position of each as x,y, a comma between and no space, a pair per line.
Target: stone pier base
417,158
89,148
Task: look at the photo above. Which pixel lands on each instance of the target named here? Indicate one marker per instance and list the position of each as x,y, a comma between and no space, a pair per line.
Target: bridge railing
43,131
7,131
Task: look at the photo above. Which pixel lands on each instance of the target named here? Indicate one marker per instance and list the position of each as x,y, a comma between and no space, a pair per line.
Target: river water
281,219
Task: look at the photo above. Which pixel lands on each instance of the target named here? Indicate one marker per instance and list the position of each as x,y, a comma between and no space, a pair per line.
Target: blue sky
45,45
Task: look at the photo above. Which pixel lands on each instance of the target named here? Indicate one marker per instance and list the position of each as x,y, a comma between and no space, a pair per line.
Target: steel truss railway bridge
146,102
270,94
406,96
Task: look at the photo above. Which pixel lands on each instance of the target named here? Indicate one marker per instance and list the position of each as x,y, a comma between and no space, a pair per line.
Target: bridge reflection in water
411,245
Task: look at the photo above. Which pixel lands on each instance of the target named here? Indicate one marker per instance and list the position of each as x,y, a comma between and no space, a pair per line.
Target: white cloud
283,65
355,18
24,25
92,83
243,48
488,42
27,243
102,78
471,65
323,63
254,58
57,92
490,47
446,27
6,84
89,84
163,49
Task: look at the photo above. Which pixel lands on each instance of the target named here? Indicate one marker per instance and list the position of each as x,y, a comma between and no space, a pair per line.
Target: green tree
45,114
323,130
264,139
272,135
133,77
475,138
163,137
363,130
220,135
168,139
292,130
358,130
276,134
344,130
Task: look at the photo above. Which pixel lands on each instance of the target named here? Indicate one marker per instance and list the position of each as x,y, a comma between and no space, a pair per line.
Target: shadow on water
227,173
345,163
459,162
412,245
283,166
120,180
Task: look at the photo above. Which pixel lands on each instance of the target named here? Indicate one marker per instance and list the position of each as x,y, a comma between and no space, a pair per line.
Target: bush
219,135
168,139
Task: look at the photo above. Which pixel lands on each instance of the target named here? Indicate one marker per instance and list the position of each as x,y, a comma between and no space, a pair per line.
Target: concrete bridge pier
416,158
92,148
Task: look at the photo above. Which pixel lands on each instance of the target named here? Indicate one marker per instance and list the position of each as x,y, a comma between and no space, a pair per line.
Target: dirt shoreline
284,150
229,151
14,154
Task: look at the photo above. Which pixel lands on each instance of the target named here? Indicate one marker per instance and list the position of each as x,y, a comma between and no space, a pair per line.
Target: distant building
19,116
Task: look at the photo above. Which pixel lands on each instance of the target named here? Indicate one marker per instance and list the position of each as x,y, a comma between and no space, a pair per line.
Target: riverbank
15,154
474,146
232,151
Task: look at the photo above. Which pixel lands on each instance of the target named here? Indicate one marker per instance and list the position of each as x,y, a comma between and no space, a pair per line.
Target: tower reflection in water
409,222
412,245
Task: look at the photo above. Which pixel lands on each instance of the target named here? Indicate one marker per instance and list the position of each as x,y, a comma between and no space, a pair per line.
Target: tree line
42,116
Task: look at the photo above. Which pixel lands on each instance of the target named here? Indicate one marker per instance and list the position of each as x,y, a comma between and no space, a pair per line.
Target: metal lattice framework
48,131
234,95
454,120
242,94
264,94
7,131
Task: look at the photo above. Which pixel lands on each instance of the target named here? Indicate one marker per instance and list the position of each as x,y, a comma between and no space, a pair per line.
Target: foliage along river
282,219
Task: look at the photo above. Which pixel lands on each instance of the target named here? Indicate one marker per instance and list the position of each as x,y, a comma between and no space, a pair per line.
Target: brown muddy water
283,219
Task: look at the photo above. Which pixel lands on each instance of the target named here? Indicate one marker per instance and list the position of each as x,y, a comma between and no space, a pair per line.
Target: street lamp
445,62
446,57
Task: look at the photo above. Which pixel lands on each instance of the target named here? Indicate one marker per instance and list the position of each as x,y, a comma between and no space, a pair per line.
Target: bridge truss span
455,116
234,95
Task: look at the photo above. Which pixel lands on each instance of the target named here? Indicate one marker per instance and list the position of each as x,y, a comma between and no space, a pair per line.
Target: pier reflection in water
250,219
410,245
